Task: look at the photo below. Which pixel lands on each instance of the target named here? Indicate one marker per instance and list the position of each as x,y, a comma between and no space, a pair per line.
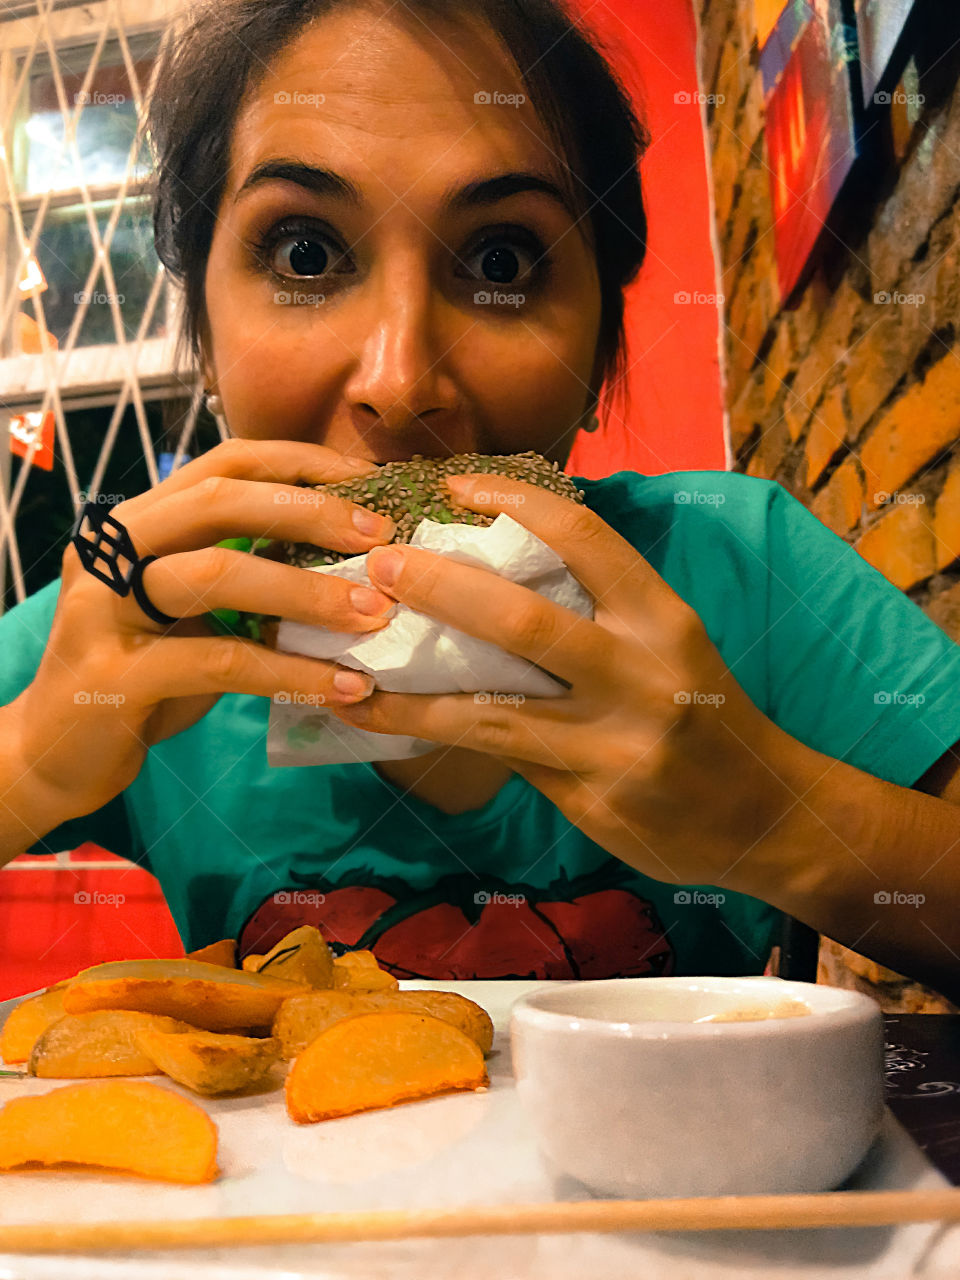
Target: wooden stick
721,1213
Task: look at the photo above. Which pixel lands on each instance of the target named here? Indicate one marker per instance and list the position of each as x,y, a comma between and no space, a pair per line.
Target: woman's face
375,282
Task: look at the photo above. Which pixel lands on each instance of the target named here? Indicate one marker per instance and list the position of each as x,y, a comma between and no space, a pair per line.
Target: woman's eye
302,254
505,261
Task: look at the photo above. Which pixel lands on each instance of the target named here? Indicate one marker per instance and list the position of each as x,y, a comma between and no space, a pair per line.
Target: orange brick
758,466
827,433
812,375
729,158
713,36
921,424
946,518
796,415
734,67
746,413
901,546
770,451
944,610
779,360
879,358
752,119
840,503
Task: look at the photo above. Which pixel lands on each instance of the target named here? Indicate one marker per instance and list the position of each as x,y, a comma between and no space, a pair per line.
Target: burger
407,492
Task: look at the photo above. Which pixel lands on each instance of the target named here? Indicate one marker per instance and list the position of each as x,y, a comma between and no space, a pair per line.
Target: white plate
474,1148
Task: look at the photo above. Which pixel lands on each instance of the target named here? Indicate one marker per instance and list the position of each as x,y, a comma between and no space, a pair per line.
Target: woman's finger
175,667
612,570
278,461
197,582
486,606
221,507
543,731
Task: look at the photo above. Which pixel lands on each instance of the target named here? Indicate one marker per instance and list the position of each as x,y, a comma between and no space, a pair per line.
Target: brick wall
850,402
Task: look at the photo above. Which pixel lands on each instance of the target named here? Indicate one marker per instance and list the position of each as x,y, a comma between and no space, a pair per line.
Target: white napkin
417,654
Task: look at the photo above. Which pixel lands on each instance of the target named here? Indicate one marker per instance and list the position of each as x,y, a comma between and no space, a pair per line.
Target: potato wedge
301,956
375,1060
207,996
101,1043
128,1125
361,978
252,963
28,1021
223,952
357,960
304,1017
208,1062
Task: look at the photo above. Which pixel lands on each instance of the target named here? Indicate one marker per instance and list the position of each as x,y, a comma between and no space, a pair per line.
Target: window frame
93,370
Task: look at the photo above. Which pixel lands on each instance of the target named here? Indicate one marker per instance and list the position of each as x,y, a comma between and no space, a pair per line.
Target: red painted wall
57,920
676,421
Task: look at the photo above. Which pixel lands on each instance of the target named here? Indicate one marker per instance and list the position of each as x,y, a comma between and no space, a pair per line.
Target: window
98,113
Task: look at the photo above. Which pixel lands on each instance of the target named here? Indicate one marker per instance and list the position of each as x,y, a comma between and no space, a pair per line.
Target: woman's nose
401,369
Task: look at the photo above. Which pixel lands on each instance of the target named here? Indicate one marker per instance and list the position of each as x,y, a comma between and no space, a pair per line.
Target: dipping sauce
759,1012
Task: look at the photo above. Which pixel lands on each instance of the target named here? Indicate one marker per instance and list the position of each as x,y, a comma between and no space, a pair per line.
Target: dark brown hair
226,47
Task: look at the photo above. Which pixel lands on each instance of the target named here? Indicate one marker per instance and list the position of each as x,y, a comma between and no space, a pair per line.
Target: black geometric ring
111,545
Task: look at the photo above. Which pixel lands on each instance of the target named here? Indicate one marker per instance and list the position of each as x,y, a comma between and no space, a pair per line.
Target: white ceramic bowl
631,1096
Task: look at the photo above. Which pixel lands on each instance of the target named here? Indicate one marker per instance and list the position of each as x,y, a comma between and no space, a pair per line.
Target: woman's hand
655,752
112,682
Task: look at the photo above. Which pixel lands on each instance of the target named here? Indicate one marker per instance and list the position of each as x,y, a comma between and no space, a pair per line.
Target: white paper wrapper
416,653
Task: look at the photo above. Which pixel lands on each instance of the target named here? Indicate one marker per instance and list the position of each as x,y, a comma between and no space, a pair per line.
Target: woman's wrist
864,861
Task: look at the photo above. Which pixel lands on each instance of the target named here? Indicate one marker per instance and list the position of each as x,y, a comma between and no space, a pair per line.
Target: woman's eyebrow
477,194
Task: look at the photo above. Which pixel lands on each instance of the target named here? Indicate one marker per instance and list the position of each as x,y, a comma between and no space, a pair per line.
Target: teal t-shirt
818,639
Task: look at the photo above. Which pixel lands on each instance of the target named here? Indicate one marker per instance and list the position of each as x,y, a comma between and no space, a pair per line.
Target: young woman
750,707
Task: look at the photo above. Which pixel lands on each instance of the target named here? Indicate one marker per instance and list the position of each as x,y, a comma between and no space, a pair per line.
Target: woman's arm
657,754
29,808
871,864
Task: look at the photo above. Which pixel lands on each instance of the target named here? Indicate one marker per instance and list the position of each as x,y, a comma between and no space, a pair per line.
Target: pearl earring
214,405
593,424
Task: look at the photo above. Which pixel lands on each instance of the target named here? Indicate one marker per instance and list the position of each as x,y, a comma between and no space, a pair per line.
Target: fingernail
353,683
360,464
366,600
385,567
372,525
